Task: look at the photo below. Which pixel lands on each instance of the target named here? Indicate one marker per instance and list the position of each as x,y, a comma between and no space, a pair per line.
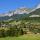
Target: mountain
20,13
35,12
15,14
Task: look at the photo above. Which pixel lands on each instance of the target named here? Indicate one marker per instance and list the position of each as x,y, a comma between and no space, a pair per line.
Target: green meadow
23,37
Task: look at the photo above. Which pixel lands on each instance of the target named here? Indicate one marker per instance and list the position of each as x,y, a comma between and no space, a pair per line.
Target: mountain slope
16,14
37,12
21,13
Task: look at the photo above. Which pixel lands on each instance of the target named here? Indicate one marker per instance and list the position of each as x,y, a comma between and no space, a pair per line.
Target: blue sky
6,5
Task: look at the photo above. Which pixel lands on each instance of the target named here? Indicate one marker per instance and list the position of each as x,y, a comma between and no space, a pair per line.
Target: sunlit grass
23,37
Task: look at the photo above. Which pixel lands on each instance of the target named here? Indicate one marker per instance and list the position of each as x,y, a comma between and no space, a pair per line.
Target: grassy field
23,37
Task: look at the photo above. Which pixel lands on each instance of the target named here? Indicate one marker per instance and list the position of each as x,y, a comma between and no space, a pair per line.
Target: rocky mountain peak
22,10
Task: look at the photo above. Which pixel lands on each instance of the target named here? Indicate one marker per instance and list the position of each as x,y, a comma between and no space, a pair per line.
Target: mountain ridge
20,13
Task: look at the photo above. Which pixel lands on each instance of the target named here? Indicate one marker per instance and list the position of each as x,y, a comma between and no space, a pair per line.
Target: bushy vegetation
21,27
